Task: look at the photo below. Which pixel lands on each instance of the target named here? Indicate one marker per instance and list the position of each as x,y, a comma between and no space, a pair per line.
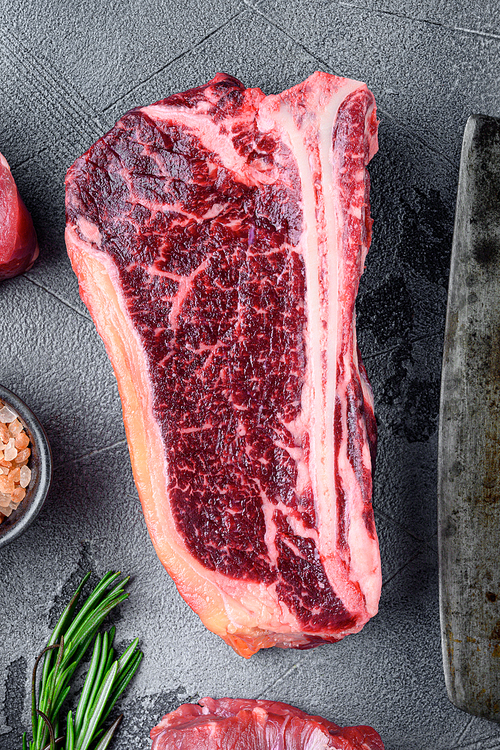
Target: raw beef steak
18,242
219,237
255,724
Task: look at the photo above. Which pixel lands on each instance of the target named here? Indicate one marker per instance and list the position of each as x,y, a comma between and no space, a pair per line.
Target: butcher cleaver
469,434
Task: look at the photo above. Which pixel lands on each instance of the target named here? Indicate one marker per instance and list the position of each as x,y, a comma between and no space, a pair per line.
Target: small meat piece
255,724
18,242
219,237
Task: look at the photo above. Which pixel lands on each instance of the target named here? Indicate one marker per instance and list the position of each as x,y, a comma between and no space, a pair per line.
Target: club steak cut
218,237
255,724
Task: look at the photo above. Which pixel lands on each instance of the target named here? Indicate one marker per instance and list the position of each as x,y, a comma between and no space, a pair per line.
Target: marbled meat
218,237
256,724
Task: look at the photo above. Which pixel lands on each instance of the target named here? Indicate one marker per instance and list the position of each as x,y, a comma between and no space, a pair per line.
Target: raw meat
18,243
255,724
219,237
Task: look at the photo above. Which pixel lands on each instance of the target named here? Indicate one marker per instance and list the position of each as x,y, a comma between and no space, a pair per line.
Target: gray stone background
68,70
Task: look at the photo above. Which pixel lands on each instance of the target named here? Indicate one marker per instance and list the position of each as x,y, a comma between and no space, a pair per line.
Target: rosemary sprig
106,679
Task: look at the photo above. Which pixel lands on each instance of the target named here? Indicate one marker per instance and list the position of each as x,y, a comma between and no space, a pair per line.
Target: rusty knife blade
469,434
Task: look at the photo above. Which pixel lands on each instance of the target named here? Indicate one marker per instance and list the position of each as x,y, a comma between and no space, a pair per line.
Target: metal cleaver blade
469,434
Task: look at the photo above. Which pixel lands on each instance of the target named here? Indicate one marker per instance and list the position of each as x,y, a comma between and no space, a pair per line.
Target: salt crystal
23,456
25,476
7,511
18,495
5,499
15,474
22,441
7,415
6,485
15,427
11,452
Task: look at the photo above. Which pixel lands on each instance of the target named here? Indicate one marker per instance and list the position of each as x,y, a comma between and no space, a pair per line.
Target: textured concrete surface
67,71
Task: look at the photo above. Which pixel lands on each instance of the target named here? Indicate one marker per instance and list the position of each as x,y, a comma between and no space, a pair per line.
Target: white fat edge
337,562
209,134
249,604
328,532
365,556
133,346
364,559
318,404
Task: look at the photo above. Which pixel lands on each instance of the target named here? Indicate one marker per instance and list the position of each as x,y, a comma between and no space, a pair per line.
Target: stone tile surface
474,18
67,72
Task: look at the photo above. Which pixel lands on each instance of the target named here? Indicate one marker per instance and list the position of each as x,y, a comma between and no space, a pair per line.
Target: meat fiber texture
18,242
255,725
218,237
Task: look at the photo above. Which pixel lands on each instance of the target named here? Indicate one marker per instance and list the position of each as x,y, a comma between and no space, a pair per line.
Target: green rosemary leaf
111,651
122,682
92,623
48,696
106,739
87,687
50,729
61,623
95,599
98,679
70,732
57,706
90,726
65,677
78,651
50,692
127,655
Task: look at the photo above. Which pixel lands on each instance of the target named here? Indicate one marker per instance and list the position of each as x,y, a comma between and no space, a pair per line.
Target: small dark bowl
40,463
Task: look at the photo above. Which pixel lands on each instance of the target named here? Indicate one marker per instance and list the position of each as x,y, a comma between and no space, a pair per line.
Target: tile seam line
416,340
416,19
401,568
173,60
464,730
62,140
277,681
73,128
96,452
400,526
491,743
59,299
53,77
28,159
326,65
